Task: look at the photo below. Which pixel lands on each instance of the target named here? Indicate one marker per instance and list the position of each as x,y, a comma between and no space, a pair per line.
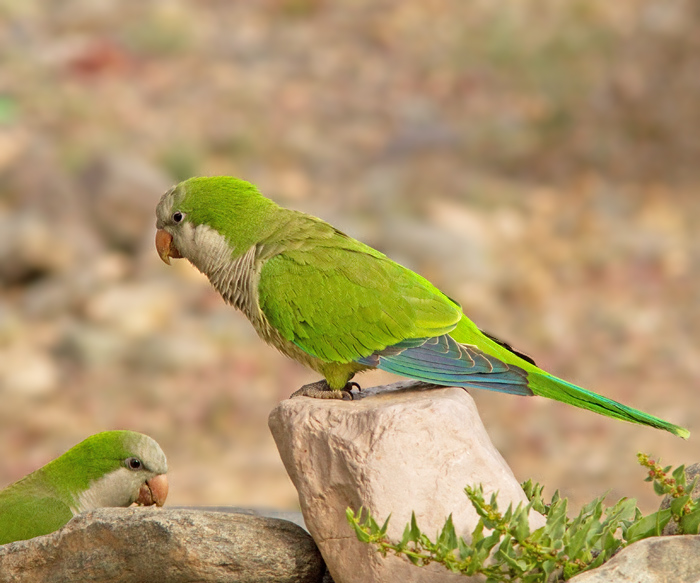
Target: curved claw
347,389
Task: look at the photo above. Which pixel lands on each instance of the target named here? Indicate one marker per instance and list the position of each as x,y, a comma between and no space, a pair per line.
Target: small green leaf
514,564
361,533
650,525
463,549
350,515
491,541
597,562
548,567
385,526
678,503
406,536
577,539
415,559
556,520
509,513
521,528
623,510
679,475
659,488
448,536
555,497
414,533
690,523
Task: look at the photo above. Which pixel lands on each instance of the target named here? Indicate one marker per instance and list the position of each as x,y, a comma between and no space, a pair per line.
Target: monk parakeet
341,307
112,468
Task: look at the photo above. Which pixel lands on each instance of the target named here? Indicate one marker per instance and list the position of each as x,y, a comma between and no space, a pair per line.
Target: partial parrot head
112,468
205,219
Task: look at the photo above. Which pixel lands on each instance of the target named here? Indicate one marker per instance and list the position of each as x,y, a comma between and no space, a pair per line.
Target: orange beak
165,247
154,491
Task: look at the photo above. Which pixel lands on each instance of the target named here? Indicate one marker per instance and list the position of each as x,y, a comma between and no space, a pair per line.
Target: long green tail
552,387
495,366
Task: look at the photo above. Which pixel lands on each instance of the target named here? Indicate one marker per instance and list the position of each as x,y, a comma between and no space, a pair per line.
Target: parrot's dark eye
177,216
133,463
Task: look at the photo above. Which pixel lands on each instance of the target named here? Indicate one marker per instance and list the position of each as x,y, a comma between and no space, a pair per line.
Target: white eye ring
178,216
134,463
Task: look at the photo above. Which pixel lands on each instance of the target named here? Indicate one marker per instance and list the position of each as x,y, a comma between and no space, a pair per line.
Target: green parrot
112,468
340,307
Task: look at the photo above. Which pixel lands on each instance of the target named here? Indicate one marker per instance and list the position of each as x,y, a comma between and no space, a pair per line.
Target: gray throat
237,281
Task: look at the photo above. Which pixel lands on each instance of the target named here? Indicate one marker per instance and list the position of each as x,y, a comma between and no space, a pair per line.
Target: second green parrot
341,307
112,468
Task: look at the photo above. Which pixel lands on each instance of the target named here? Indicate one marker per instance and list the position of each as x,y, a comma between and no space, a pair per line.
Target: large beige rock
660,559
146,545
402,448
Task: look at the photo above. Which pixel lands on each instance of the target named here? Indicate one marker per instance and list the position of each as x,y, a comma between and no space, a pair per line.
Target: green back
340,300
33,511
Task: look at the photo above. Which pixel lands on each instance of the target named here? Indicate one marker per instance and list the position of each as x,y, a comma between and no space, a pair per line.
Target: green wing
24,517
339,300
342,301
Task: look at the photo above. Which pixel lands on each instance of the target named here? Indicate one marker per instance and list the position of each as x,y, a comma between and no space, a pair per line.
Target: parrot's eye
177,216
133,463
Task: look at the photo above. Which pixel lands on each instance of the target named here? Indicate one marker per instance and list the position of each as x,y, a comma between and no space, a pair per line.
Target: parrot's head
204,218
117,468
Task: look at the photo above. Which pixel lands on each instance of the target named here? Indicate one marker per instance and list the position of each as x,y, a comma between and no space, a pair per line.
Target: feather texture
340,307
46,499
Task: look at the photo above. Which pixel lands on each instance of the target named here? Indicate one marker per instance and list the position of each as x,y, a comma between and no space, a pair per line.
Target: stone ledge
134,545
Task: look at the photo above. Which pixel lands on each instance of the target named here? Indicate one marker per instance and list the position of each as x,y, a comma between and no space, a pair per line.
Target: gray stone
394,450
290,515
139,545
661,559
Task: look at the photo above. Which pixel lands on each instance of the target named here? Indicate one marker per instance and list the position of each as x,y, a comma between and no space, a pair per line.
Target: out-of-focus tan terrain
538,161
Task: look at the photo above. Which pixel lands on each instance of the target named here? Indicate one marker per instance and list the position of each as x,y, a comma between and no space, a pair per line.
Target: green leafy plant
503,548
682,508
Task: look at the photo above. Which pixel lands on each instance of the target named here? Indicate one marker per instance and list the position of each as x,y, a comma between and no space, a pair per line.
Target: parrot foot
321,390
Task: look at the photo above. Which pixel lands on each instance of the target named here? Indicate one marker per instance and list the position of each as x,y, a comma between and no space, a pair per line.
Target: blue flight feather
443,361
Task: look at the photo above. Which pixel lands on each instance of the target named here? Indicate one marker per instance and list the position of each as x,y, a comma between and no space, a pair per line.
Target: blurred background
538,161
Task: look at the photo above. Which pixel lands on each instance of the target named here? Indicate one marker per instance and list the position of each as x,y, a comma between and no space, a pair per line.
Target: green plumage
339,306
46,499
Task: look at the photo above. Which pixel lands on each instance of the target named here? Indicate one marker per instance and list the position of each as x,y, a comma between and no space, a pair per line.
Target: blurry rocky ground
538,161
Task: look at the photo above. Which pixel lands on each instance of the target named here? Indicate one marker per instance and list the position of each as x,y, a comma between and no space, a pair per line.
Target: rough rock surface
397,449
139,545
660,559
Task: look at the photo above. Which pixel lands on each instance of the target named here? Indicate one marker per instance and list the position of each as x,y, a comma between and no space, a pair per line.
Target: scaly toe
318,390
